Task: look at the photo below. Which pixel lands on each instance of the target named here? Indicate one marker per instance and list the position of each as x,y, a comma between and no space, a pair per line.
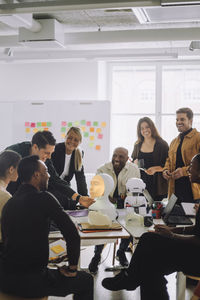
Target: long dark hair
154,131
8,158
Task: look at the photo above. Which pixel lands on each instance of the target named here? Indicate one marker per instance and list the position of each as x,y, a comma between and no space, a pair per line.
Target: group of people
42,192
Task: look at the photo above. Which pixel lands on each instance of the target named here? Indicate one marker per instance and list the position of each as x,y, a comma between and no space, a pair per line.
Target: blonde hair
78,162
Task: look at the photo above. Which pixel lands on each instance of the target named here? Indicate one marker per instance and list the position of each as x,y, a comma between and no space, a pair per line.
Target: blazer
160,153
58,159
190,147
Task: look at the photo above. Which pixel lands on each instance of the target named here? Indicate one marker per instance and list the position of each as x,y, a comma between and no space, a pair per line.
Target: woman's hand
151,171
163,230
68,271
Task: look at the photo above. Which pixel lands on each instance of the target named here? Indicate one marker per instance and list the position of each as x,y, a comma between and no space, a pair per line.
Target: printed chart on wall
92,117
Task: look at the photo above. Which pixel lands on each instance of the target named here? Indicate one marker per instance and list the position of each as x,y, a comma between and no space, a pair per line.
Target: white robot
135,187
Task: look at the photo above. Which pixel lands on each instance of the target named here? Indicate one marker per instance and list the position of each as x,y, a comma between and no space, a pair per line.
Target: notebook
86,227
174,214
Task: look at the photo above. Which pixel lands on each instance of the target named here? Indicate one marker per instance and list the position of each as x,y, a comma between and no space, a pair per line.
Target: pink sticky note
63,123
32,125
88,123
100,136
27,124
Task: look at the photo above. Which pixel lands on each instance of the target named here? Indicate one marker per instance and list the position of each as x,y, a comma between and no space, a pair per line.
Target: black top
58,159
25,229
57,186
148,159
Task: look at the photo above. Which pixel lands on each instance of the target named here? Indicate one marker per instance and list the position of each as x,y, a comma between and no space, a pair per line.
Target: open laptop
174,214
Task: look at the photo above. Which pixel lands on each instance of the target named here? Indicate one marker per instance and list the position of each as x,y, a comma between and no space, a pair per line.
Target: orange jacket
190,147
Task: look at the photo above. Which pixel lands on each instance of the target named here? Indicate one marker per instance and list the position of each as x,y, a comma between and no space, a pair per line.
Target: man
25,229
120,170
43,145
181,151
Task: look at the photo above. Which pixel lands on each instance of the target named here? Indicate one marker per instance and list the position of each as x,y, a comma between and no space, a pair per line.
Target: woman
152,151
159,253
9,161
67,160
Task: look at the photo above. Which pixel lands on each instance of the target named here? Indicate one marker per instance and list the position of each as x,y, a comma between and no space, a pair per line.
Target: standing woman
67,160
150,152
9,161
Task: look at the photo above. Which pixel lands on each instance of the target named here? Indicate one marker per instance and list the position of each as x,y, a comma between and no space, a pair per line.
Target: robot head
135,185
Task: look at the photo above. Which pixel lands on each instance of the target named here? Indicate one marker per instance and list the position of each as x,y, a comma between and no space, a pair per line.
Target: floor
87,253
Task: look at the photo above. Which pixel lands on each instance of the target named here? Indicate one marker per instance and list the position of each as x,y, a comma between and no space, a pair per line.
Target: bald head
119,159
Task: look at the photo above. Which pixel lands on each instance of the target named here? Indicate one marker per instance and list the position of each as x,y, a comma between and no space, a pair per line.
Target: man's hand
166,174
86,201
178,173
163,230
66,271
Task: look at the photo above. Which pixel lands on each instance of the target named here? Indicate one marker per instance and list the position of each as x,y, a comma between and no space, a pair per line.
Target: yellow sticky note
83,128
57,249
27,129
63,135
35,130
91,138
103,124
98,130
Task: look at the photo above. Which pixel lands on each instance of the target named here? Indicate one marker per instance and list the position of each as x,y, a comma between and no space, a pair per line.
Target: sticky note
95,123
103,124
83,122
63,123
83,128
76,123
91,138
91,129
46,129
86,134
63,135
57,249
88,123
39,124
63,129
35,130
41,129
70,124
44,124
27,124
98,147
98,130
100,136
49,124
91,145
27,130
32,125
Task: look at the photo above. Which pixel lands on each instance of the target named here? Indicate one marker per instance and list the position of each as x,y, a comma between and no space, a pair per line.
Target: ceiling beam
63,5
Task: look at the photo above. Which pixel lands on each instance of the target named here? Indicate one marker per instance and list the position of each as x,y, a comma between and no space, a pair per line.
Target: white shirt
66,167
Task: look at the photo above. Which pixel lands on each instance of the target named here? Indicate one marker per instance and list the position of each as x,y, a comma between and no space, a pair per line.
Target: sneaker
121,257
93,266
119,282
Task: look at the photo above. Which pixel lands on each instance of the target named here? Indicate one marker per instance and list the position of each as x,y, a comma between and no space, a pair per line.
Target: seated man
120,170
43,145
160,253
25,229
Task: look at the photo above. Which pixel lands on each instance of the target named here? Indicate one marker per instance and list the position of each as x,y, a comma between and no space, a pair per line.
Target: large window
155,90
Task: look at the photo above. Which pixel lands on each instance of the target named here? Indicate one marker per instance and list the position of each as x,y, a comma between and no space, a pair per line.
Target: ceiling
98,30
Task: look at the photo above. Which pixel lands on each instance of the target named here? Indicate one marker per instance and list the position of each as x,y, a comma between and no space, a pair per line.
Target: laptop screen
148,197
170,205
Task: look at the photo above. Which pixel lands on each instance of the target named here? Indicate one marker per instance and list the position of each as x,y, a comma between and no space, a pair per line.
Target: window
155,90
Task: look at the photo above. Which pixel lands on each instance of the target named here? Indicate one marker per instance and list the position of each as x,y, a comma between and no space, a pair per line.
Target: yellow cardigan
190,147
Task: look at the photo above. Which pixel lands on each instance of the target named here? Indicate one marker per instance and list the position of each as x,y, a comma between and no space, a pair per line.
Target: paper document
188,208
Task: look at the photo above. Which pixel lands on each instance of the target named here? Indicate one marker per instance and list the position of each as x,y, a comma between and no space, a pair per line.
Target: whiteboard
93,118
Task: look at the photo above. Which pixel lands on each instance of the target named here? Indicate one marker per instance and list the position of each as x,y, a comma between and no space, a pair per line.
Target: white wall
49,81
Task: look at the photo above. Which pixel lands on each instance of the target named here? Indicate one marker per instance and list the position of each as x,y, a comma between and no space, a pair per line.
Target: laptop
148,197
174,214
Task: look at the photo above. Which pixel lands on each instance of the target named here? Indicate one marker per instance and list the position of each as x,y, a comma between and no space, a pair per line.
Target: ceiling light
140,15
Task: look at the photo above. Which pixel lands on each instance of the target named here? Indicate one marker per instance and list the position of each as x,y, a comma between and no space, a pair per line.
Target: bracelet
71,270
77,198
